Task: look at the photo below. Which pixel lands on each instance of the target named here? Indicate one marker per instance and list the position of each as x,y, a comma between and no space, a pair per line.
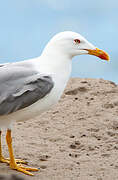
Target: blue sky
27,25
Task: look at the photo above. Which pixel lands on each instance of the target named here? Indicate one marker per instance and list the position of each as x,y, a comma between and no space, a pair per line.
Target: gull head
72,44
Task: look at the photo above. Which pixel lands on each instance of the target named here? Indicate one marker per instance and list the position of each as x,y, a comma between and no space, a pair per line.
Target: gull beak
99,53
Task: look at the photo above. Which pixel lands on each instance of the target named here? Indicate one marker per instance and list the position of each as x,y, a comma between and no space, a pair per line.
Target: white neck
57,65
53,62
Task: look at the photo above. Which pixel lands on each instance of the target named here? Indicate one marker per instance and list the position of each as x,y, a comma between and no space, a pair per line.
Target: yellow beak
99,53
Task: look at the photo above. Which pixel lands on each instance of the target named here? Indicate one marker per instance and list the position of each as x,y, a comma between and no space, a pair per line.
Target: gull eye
77,41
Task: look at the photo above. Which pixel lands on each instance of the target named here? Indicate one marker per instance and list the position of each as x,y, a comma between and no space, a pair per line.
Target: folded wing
20,87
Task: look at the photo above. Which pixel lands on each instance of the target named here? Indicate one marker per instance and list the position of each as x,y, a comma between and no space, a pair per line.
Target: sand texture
76,140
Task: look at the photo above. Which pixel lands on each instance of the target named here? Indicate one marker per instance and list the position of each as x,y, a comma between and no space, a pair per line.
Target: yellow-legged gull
28,88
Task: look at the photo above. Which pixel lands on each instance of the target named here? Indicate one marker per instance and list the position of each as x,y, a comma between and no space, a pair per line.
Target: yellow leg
13,163
2,159
6,160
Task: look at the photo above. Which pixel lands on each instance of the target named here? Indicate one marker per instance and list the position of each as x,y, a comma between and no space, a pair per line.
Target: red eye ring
77,41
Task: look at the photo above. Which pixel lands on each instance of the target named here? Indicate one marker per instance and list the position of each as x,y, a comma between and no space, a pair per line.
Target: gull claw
7,160
24,169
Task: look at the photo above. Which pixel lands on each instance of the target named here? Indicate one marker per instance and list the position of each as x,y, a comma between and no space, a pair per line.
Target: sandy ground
76,140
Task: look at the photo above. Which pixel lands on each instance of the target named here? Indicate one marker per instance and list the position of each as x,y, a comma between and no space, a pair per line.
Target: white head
72,44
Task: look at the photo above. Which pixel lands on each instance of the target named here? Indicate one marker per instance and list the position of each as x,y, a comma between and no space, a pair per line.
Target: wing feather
20,87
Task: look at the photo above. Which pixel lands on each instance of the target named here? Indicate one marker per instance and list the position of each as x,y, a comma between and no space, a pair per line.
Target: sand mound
77,139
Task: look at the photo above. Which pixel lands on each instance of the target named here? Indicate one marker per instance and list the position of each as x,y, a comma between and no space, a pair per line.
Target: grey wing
20,90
